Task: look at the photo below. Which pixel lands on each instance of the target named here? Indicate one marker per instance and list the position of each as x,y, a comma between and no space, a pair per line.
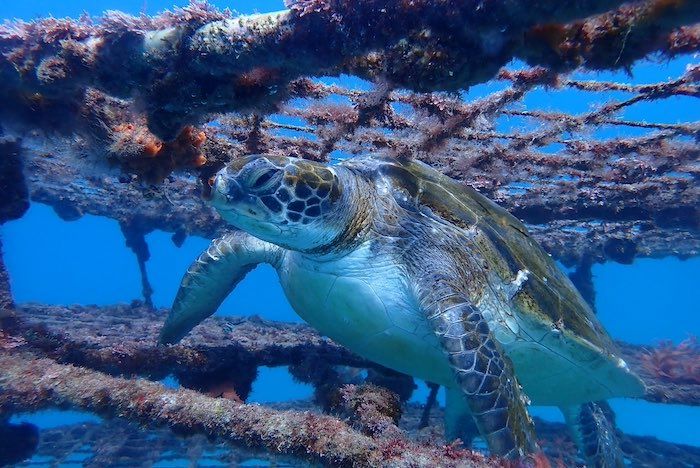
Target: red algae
675,363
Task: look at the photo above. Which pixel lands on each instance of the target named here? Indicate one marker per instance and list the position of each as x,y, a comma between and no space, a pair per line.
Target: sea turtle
424,275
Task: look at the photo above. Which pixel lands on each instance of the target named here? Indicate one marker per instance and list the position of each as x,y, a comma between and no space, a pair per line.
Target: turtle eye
264,179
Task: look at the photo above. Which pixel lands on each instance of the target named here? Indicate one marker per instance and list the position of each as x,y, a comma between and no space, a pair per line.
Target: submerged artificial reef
120,116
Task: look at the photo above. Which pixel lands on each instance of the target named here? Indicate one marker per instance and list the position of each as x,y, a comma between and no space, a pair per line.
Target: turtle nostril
235,192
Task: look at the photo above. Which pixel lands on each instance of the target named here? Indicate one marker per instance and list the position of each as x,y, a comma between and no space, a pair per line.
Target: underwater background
52,261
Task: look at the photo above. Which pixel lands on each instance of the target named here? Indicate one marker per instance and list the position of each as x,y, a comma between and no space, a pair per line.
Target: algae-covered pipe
196,61
28,383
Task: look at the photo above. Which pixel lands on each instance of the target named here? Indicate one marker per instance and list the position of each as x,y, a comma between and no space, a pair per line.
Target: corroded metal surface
28,383
15,199
199,60
118,441
123,340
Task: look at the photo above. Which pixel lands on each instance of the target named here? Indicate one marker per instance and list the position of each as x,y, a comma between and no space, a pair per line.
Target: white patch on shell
513,288
520,278
622,364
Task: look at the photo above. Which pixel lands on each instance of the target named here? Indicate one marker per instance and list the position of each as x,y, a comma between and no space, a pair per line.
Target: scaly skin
482,370
593,428
228,259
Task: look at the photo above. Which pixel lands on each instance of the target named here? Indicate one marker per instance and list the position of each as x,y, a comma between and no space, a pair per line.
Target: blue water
29,9
86,261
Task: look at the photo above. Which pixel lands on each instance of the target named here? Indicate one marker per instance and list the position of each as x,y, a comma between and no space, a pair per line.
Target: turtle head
291,202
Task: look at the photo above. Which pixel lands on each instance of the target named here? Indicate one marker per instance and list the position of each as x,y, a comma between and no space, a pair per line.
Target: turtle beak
224,190
215,184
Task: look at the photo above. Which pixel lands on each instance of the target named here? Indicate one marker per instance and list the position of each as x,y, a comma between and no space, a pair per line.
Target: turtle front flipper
593,428
211,278
482,370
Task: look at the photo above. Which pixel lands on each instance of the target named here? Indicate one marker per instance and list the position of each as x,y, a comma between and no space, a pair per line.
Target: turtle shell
548,295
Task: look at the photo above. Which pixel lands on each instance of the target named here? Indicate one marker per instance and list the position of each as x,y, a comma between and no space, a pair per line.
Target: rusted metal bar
28,383
122,340
197,61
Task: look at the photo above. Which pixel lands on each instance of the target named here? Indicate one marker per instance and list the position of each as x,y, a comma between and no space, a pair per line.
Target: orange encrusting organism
143,153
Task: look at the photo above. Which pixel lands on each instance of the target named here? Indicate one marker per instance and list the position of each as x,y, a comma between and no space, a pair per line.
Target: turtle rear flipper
482,370
211,278
592,426
459,422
